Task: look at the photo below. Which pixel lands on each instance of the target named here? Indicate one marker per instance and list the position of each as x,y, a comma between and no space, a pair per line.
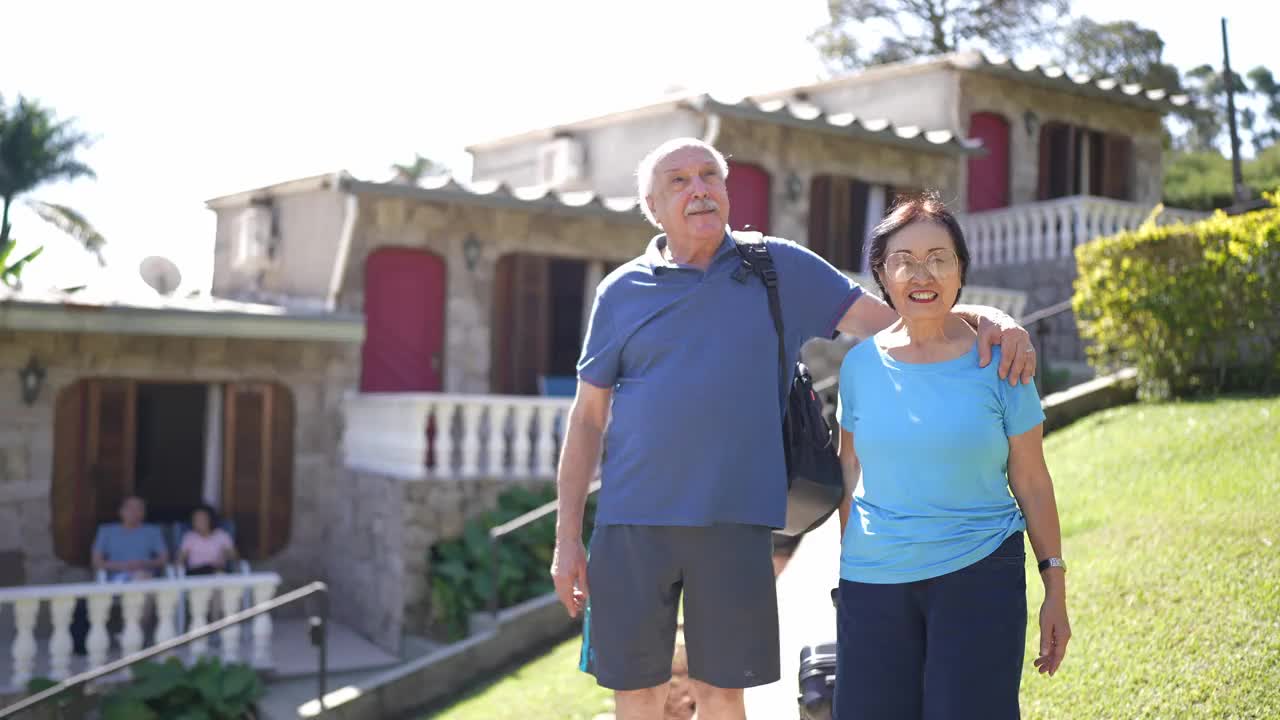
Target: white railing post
262,592
499,414
199,598
521,439
470,419
131,602
230,635
60,645
444,411
24,641
97,642
166,608
544,446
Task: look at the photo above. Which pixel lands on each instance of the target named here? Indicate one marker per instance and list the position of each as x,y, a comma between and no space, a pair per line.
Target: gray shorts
636,574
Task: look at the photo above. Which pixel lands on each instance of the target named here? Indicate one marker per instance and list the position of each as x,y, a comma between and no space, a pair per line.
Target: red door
989,174
404,321
748,187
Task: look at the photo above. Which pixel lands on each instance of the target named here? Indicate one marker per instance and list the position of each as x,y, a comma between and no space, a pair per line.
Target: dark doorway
170,460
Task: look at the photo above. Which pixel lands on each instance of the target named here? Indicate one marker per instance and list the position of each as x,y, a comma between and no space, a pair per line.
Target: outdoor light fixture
31,378
794,187
471,251
1031,121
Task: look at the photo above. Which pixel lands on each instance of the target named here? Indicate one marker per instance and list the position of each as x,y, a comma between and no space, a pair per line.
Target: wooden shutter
257,481
1117,167
838,219
500,365
95,428
531,308
819,215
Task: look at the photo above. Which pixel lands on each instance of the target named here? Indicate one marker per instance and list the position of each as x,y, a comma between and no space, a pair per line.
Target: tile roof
1056,77
808,116
446,188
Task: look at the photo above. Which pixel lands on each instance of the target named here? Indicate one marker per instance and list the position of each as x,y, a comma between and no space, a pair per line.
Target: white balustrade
139,603
1053,228
495,436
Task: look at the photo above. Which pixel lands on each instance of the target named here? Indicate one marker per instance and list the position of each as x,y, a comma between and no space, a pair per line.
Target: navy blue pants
946,648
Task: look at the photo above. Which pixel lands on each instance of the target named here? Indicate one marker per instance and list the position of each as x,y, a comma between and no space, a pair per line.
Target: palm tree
411,173
36,148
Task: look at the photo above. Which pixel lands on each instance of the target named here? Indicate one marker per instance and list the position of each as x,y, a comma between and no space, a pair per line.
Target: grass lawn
549,687
1171,525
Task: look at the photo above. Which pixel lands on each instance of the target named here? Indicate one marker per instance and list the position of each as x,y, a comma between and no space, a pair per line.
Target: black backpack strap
756,258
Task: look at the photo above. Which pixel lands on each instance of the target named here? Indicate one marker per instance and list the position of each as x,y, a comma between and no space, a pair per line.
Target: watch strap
1051,562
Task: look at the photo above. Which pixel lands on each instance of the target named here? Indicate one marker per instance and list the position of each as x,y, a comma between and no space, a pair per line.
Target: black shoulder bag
815,481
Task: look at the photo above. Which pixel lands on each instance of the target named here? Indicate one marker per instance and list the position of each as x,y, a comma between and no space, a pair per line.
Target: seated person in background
130,550
206,549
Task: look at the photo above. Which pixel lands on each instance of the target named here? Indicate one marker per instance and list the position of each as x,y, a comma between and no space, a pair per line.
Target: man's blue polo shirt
695,434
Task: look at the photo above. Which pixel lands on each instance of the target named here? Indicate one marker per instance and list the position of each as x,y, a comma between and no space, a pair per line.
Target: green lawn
549,687
1171,524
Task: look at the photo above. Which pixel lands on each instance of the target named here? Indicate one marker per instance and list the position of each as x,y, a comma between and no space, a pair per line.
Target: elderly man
130,550
678,386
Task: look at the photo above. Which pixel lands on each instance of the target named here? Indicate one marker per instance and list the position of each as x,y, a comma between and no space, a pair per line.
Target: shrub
207,690
1193,307
1202,180
460,574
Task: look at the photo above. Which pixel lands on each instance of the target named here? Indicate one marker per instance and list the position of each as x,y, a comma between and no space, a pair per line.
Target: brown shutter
1117,167
257,483
530,354
73,512
500,369
819,216
838,222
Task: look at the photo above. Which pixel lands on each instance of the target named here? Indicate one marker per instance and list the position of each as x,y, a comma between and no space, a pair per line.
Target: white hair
645,170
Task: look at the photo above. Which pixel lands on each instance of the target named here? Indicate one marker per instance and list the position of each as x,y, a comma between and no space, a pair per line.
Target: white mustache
702,205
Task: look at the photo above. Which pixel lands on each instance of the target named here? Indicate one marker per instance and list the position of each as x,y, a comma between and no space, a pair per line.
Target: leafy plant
1191,306
460,574
207,690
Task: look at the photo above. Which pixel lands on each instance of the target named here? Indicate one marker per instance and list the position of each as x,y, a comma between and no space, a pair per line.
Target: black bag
815,482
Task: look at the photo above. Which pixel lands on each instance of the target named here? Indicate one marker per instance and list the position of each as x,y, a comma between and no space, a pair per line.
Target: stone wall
442,229
1046,282
784,151
316,373
980,92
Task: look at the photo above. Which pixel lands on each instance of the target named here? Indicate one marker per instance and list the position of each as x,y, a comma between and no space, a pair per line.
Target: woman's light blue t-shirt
933,442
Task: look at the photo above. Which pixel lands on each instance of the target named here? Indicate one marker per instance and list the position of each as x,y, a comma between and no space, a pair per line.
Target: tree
1123,50
913,28
35,149
1207,111
1268,90
421,167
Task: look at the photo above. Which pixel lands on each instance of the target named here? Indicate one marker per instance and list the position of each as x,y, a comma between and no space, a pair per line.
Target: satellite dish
160,273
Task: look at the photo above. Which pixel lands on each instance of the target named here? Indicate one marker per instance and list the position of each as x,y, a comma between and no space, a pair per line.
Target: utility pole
1239,190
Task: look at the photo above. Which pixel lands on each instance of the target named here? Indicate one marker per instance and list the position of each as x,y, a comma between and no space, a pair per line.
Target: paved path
805,617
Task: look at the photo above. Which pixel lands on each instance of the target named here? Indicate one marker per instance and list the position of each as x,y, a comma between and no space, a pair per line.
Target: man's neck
692,251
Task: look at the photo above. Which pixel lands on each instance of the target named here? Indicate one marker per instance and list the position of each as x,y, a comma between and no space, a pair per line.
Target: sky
191,101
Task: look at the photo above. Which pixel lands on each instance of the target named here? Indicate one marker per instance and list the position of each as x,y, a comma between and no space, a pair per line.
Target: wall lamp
794,187
31,379
471,252
1031,121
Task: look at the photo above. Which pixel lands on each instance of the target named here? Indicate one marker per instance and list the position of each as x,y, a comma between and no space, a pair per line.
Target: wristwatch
1051,562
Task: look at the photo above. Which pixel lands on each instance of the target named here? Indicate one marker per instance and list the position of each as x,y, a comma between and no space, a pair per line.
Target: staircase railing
318,630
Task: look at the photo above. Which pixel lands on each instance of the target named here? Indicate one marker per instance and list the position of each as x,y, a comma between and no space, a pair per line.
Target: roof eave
126,320
501,197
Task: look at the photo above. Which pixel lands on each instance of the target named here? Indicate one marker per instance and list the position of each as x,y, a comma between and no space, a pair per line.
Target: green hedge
1193,307
460,575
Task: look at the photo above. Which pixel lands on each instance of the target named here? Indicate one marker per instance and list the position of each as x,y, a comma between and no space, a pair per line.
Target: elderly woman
932,598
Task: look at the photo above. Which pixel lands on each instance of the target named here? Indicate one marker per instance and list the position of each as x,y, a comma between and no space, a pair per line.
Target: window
175,445
1078,161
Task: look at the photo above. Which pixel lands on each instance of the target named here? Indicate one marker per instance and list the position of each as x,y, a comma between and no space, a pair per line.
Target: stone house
377,361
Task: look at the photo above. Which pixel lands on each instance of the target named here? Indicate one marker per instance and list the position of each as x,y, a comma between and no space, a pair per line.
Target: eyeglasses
901,266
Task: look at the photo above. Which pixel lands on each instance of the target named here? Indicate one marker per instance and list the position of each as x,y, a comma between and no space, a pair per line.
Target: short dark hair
208,510
909,209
